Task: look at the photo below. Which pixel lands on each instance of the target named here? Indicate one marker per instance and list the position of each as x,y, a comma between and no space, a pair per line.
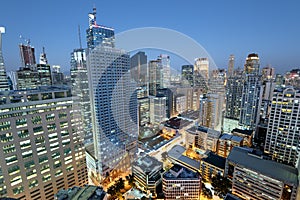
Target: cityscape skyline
274,28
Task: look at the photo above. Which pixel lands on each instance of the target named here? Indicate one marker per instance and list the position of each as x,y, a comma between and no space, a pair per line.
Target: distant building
268,73
282,139
44,72
231,65
27,78
3,78
202,67
86,192
40,146
57,76
27,55
144,111
98,35
181,183
166,92
180,104
139,68
292,78
147,173
187,74
212,165
254,177
250,104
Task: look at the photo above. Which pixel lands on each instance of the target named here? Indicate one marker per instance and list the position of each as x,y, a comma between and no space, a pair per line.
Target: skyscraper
98,34
282,139
40,150
3,79
202,67
249,115
138,68
80,88
234,89
187,74
231,65
114,109
159,73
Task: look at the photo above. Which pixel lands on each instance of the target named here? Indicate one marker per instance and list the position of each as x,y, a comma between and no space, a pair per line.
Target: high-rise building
43,57
250,104
282,139
234,89
187,74
27,78
41,151
44,72
144,111
80,88
202,67
3,78
98,34
231,65
57,76
158,109
210,111
168,93
181,183
254,177
113,108
27,55
159,74
138,68
292,78
268,73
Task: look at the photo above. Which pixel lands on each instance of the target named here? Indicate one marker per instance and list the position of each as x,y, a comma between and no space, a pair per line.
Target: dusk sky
269,28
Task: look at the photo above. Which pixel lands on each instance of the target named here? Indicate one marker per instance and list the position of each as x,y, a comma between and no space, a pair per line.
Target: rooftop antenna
79,37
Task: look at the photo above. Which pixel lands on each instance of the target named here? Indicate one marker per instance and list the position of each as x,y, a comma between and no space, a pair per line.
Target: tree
120,184
221,184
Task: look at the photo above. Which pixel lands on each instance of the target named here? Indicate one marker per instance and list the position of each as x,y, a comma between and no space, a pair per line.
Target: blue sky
270,28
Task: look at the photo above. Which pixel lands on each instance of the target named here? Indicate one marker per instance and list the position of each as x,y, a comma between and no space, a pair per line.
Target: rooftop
176,123
231,197
215,160
189,162
241,131
76,193
247,159
231,137
148,163
180,172
176,151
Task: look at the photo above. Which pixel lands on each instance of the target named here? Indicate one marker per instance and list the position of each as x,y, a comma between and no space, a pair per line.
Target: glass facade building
3,79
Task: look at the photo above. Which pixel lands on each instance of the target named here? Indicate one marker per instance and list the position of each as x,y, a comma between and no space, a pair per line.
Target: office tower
138,68
282,139
234,89
231,65
292,78
180,103
159,74
44,71
202,67
181,183
80,88
57,76
27,78
254,177
43,57
27,55
114,110
226,142
210,111
268,73
187,74
147,172
40,148
279,80
217,81
250,104
98,34
158,108
3,78
144,111
168,93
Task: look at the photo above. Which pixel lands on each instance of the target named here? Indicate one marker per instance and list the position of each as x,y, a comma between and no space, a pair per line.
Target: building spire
79,37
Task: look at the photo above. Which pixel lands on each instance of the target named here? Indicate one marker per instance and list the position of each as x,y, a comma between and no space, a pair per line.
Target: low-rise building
254,177
212,165
181,183
246,134
147,173
226,142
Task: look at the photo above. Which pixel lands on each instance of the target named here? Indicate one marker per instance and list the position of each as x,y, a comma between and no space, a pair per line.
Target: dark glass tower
3,79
